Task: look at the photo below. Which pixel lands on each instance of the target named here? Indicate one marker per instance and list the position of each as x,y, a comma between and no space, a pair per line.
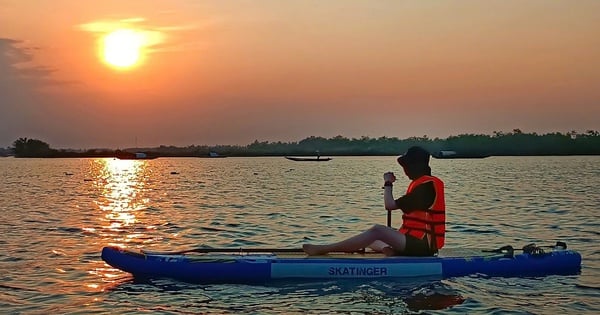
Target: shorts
416,247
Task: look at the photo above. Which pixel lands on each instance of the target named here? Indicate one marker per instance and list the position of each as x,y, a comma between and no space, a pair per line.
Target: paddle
232,250
227,250
507,250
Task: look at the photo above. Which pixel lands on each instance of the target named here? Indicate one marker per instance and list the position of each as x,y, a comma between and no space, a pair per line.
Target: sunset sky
115,73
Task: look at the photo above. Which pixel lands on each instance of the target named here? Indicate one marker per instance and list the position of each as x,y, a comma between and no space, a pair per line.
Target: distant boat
447,154
123,155
215,155
212,154
308,159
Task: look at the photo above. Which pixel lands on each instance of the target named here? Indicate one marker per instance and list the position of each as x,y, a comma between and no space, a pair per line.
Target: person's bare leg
381,247
378,246
382,233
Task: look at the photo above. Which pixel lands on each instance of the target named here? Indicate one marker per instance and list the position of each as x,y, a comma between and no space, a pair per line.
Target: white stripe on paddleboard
336,271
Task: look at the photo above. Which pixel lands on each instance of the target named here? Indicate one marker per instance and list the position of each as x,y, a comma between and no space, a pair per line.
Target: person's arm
388,198
421,197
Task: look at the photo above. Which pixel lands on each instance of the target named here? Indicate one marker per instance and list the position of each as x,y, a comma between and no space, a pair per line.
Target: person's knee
378,228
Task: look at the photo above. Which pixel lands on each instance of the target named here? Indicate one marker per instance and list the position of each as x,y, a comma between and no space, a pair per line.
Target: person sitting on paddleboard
423,220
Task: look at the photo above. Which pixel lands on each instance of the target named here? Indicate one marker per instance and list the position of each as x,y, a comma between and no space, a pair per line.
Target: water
57,214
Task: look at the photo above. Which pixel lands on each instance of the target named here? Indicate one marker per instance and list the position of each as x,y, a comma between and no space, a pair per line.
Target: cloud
153,35
16,65
157,37
21,83
14,86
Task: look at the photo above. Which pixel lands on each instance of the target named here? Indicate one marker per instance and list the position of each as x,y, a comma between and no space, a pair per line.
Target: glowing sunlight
123,48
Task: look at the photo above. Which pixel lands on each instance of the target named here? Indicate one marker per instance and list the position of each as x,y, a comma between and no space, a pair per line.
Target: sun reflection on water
121,184
121,197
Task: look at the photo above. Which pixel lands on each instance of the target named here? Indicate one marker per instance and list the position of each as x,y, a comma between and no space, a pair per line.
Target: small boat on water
308,159
318,158
212,155
215,155
213,265
124,155
457,155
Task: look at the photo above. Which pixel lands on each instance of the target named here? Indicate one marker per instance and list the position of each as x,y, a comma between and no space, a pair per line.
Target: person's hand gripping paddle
389,178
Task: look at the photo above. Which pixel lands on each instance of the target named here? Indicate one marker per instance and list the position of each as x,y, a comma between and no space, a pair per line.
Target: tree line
512,143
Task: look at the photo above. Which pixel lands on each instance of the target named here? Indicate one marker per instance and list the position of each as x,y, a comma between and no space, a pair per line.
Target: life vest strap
420,220
426,231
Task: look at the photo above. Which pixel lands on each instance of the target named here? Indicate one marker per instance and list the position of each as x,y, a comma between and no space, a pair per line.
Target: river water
57,214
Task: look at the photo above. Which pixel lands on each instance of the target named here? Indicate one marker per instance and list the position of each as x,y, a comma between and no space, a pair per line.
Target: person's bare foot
312,250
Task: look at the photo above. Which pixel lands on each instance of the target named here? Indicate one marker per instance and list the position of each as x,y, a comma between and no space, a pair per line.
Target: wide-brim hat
414,155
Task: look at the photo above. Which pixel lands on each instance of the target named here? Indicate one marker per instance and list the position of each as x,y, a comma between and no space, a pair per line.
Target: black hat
415,155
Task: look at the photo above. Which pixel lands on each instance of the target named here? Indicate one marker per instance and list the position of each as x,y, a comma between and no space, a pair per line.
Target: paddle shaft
229,250
389,218
232,250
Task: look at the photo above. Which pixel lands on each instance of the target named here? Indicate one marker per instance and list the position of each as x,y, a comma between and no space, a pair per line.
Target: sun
122,48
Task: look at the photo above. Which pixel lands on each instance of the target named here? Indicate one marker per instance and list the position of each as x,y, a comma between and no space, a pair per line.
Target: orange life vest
430,222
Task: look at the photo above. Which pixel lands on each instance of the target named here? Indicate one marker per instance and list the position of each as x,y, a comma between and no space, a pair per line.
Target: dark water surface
57,214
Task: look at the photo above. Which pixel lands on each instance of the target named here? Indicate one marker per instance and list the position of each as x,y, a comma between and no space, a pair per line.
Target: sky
232,72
